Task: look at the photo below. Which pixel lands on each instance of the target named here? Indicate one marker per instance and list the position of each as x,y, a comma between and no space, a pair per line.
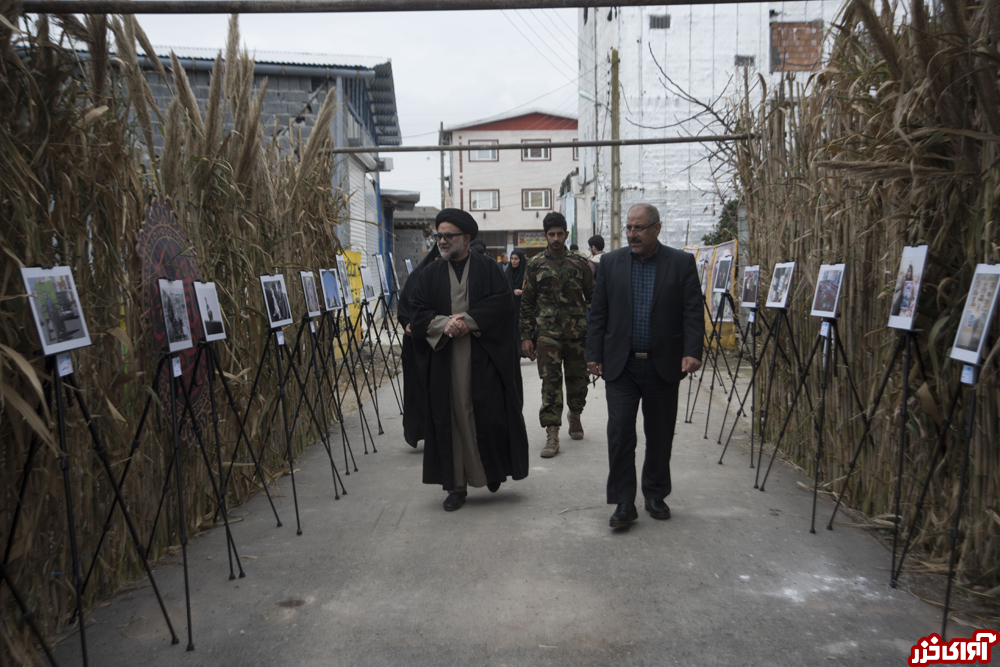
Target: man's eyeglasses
447,236
635,229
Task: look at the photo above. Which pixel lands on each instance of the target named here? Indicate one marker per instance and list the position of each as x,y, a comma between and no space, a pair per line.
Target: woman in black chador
515,276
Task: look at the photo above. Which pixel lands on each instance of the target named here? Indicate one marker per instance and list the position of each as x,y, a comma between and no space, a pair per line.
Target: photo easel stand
717,351
218,489
215,367
801,371
748,338
373,339
322,427
355,345
394,378
907,343
716,332
327,326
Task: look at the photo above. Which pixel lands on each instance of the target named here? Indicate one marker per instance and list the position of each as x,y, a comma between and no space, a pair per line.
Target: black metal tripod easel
748,339
906,343
716,351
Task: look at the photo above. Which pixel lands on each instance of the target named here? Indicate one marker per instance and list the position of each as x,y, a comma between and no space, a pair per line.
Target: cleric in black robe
490,438
416,359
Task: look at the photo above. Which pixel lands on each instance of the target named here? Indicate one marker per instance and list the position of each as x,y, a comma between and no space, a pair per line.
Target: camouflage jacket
557,291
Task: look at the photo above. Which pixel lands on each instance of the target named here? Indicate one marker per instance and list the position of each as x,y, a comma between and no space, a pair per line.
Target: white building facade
673,63
509,192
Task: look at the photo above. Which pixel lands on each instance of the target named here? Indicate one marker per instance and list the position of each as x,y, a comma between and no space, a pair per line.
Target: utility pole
616,165
441,143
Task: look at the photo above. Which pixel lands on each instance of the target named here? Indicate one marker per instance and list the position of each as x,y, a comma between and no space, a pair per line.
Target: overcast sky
448,66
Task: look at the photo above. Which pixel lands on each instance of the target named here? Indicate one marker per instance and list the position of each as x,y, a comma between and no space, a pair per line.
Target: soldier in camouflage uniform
558,286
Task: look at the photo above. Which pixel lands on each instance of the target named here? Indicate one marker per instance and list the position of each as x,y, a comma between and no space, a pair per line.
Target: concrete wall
697,54
510,175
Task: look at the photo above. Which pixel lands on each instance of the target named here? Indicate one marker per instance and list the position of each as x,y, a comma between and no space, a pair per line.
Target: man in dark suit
646,333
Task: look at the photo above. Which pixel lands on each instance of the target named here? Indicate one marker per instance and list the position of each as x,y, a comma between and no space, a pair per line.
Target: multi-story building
510,191
297,86
677,67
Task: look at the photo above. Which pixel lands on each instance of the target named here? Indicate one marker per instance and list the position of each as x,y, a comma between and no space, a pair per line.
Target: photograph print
309,290
977,314
704,259
345,283
331,289
751,281
55,305
279,313
175,314
907,288
781,281
383,278
367,284
722,270
828,287
211,313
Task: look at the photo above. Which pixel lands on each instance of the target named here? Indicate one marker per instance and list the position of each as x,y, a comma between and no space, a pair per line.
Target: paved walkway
531,575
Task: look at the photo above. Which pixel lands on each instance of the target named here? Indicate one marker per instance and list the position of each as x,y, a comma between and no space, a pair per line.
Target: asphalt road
531,575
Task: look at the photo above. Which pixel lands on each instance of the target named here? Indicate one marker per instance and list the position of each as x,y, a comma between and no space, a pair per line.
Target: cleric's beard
457,248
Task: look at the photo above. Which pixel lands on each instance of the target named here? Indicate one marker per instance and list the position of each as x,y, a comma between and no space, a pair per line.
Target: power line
532,44
543,41
556,38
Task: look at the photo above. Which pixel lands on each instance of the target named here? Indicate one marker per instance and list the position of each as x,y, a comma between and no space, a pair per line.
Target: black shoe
454,501
624,514
657,509
493,486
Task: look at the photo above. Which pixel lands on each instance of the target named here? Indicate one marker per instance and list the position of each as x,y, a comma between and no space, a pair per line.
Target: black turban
460,219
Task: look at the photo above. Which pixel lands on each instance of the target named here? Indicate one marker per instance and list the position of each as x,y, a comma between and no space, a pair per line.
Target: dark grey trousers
640,381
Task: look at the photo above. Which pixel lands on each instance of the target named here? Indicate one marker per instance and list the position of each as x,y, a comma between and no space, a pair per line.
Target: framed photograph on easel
309,291
781,282
977,314
828,288
904,295
175,314
56,309
332,296
279,313
345,283
211,314
751,282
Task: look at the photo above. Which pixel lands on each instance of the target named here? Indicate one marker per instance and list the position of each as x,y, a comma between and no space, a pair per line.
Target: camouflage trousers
554,354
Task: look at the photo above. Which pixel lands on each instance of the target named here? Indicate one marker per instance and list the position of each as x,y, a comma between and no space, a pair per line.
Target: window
538,152
576,152
536,200
743,61
484,155
484,200
659,22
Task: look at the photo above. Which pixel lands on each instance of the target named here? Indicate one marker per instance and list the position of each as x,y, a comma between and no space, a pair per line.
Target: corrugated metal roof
279,57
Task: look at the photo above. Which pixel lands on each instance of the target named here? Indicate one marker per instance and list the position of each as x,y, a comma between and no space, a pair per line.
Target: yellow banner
708,260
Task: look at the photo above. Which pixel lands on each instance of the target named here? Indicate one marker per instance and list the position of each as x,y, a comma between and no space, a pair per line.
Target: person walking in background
596,244
557,289
646,332
515,276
